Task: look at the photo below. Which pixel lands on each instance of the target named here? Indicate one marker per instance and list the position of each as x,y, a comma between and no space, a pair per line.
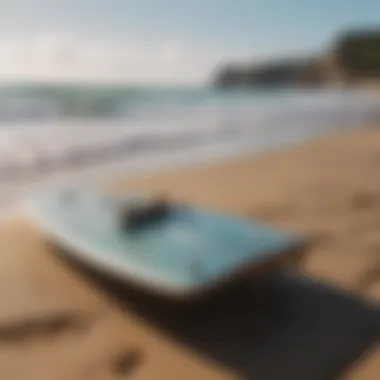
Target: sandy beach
329,188
55,324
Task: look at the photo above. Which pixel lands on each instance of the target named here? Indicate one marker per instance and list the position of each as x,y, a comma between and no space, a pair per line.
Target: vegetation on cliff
357,54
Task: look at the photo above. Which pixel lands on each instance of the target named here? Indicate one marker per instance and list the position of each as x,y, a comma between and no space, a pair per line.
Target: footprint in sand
126,363
369,278
120,365
361,200
40,325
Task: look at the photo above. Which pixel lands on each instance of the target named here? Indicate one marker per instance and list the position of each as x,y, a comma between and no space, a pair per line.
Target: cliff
354,56
281,73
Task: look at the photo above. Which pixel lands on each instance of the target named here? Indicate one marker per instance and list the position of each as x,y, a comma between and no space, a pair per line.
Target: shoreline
156,164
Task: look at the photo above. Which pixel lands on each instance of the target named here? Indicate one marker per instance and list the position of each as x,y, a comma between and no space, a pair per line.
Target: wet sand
56,324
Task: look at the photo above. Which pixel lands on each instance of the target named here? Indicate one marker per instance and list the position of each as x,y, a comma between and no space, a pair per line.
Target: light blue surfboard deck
190,251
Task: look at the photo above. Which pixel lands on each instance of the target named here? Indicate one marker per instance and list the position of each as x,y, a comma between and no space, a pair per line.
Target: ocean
51,133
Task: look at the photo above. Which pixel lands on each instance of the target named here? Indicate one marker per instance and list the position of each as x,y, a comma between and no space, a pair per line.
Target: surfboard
189,250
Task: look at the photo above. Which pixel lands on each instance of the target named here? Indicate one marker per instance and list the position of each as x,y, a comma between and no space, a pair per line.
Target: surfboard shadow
280,327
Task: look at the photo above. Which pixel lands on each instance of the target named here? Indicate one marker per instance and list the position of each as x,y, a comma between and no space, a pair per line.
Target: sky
164,41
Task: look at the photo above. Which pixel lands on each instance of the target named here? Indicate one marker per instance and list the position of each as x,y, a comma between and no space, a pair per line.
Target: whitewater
57,133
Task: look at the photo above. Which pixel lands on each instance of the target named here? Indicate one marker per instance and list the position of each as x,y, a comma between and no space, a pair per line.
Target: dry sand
330,189
55,325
